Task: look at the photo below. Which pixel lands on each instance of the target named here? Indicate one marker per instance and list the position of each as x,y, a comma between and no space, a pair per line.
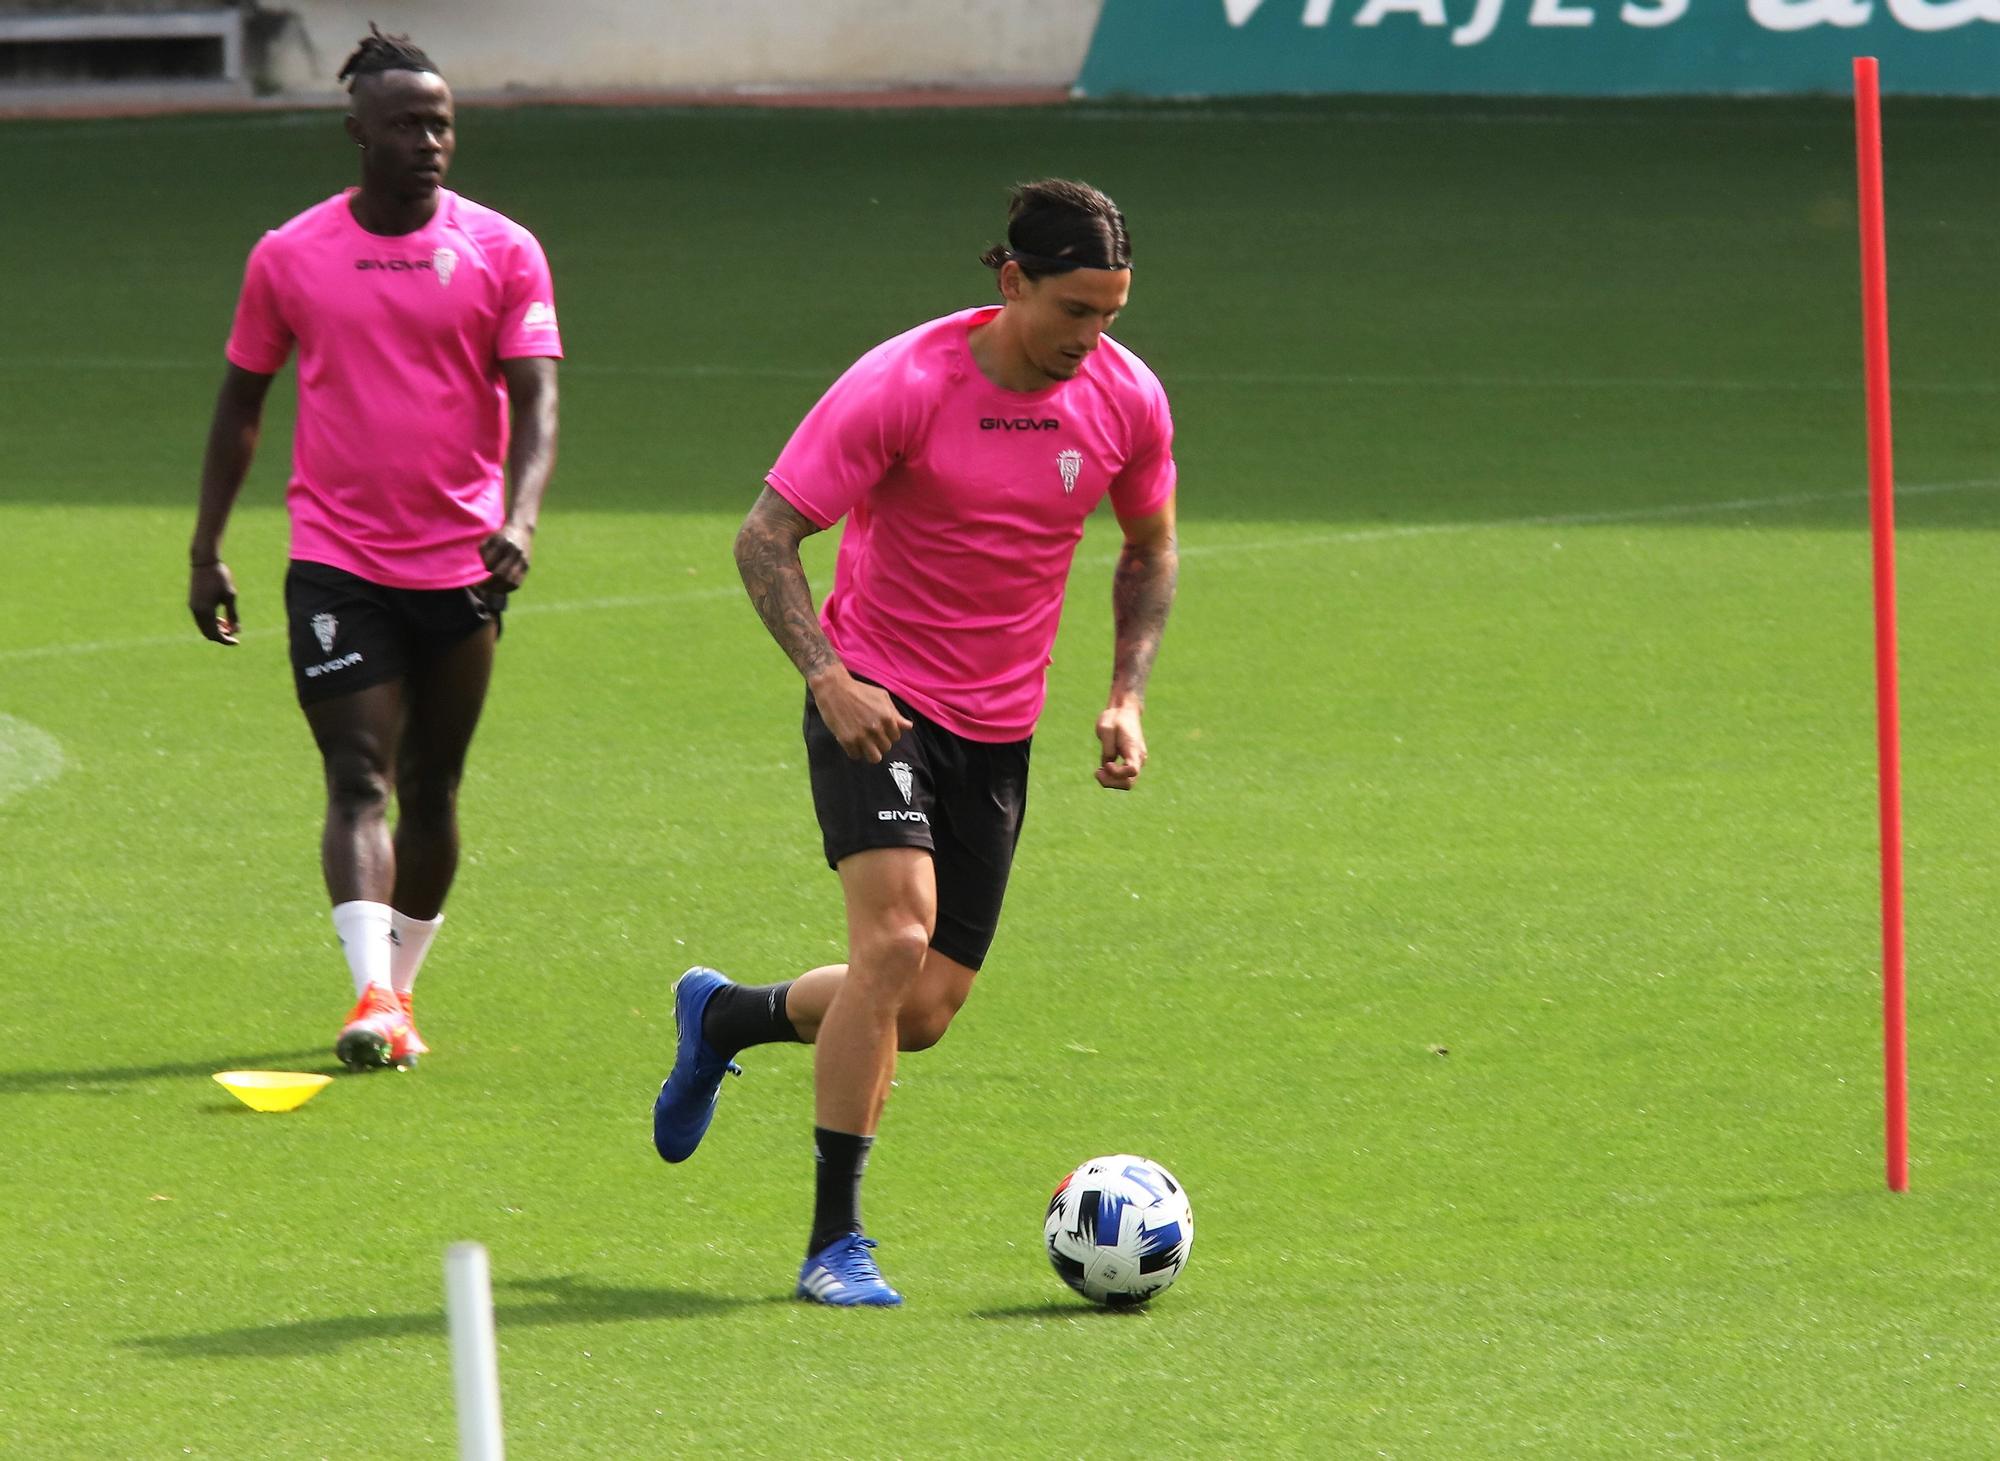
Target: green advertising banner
1540,47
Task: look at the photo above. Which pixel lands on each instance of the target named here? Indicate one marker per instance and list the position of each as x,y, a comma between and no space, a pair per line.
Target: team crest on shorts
899,772
325,626
1069,463
444,263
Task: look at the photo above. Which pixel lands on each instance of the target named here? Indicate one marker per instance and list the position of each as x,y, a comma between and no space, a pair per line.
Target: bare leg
809,998
939,993
445,699
357,736
891,904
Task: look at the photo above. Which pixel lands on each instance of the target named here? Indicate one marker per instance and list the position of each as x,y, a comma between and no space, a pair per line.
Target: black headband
1058,266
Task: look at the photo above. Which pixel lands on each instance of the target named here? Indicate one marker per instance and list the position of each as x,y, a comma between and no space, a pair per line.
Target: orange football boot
377,1033
417,1046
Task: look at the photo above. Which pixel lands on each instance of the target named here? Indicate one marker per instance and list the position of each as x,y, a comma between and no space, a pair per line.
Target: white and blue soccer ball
1119,1230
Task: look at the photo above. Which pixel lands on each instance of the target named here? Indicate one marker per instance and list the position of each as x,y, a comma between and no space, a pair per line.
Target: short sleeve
861,428
1146,483
259,340
528,305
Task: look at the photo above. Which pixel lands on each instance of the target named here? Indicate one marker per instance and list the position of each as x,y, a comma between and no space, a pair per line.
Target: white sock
411,938
364,938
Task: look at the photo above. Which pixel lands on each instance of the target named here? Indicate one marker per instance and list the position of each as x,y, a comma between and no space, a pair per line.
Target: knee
922,1023
890,954
429,797
357,783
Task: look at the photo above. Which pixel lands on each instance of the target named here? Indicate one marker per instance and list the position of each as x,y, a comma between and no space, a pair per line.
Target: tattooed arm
861,716
1142,591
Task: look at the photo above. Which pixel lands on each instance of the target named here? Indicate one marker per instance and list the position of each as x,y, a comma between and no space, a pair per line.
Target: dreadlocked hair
378,53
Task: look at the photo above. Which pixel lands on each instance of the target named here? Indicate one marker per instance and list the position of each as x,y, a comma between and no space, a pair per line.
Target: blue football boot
687,1097
843,1274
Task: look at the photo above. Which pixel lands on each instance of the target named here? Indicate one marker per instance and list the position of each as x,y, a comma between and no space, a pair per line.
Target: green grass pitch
1491,947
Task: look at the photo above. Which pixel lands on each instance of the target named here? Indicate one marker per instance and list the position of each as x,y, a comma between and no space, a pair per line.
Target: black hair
1055,226
378,53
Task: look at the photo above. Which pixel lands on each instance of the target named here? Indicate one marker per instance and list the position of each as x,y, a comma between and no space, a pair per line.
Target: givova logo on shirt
441,265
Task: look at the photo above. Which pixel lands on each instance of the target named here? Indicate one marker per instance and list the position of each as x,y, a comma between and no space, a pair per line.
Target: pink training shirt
399,456
964,506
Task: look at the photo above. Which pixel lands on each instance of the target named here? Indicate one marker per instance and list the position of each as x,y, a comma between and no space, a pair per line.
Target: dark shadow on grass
1061,1309
569,1300
77,1082
237,1108
1844,1196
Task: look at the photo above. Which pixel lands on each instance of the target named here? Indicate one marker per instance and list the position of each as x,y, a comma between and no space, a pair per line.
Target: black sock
740,1015
843,1157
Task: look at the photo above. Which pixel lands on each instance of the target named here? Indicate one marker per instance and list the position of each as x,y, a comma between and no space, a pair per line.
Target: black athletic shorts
961,800
349,633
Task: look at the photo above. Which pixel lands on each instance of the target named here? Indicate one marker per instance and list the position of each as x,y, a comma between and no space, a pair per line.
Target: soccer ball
1119,1230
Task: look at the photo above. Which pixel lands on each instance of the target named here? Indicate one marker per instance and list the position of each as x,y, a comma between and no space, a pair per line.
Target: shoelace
857,1265
702,1068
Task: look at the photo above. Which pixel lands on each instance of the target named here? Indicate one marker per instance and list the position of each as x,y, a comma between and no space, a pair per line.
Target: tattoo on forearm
767,555
1142,591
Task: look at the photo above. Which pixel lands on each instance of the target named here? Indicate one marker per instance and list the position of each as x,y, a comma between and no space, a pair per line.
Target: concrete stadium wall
693,45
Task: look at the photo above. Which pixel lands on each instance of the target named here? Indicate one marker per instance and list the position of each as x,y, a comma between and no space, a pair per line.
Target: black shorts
961,800
349,633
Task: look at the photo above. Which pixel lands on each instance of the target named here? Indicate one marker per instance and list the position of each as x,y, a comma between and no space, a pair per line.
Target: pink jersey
964,506
399,456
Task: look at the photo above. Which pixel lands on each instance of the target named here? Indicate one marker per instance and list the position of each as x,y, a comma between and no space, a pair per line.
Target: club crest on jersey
1069,463
444,263
325,626
899,772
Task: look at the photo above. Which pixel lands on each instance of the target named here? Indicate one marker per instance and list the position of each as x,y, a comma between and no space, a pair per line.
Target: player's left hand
1122,745
506,555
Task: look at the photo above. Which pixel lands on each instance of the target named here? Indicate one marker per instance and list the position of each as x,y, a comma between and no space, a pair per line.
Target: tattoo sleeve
1142,591
767,555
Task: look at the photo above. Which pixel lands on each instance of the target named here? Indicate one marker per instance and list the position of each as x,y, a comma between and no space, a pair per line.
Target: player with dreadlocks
426,333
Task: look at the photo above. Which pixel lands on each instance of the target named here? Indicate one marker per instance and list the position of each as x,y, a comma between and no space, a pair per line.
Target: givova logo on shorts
346,661
906,781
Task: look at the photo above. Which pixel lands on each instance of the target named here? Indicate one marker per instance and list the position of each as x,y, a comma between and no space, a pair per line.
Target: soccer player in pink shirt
426,336
965,456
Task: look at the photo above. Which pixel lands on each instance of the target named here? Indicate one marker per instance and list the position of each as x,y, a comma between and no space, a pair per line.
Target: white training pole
475,1363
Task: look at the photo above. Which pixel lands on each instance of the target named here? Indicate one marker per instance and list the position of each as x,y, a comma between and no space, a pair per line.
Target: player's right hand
212,601
861,716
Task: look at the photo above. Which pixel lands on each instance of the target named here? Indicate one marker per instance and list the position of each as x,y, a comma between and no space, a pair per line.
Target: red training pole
1882,521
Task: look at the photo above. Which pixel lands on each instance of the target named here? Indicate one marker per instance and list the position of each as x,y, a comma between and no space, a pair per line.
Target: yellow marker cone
272,1090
